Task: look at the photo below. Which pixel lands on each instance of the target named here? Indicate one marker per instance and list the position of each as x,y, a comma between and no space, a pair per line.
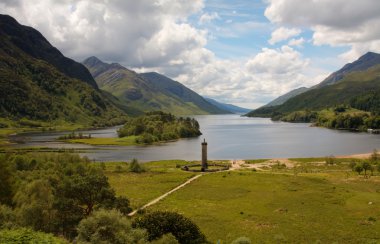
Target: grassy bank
125,141
8,127
309,203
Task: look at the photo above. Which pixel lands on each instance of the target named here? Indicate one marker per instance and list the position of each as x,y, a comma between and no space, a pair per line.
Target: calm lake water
228,137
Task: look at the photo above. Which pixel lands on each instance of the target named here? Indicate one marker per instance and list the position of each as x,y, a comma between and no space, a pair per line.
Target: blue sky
241,29
244,52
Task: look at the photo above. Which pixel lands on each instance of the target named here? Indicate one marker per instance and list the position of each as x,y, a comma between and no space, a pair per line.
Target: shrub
330,160
135,167
122,204
160,223
7,217
25,235
109,226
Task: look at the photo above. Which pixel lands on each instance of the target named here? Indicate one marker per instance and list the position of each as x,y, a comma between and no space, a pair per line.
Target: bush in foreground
160,223
109,226
24,235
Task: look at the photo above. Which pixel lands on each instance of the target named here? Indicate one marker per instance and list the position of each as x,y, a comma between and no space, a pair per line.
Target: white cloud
118,30
156,35
283,34
340,22
262,77
282,61
296,42
208,17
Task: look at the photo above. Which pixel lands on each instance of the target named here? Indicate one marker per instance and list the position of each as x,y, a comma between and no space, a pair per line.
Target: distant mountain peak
363,63
92,61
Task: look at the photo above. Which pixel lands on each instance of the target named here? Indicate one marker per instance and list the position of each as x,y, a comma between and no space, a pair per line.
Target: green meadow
310,203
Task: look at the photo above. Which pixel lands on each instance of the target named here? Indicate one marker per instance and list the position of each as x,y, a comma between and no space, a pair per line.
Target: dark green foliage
34,205
25,235
6,192
109,226
160,223
7,217
87,189
54,192
159,126
122,204
301,116
135,167
367,167
358,168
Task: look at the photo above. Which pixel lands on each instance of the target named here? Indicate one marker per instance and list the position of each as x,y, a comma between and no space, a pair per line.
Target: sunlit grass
125,141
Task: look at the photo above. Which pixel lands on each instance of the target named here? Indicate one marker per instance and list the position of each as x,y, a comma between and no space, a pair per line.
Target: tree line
159,126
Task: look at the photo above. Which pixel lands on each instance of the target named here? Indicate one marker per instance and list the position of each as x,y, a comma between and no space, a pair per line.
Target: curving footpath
165,195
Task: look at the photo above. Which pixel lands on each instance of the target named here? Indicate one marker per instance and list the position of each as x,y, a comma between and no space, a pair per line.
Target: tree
366,166
160,223
34,203
109,226
375,156
77,194
358,169
352,166
88,190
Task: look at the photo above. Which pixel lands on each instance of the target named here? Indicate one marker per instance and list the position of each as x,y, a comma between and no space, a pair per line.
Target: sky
243,52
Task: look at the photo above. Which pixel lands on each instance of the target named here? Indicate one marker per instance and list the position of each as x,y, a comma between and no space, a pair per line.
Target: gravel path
165,195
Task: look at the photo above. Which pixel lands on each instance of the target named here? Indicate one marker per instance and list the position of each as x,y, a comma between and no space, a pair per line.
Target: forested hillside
38,83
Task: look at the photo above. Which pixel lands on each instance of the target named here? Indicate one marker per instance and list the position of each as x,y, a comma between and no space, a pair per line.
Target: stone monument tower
204,155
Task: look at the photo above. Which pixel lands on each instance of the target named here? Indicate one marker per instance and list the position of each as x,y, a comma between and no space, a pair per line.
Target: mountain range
228,107
363,63
356,85
148,91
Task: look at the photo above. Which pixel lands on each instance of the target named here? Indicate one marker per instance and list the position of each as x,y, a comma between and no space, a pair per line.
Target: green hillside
148,92
365,62
41,87
283,98
356,97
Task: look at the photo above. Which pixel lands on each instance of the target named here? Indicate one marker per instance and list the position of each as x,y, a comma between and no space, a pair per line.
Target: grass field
125,141
329,204
140,188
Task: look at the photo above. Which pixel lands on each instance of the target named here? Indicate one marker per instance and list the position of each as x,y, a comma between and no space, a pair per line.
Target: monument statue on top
204,155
